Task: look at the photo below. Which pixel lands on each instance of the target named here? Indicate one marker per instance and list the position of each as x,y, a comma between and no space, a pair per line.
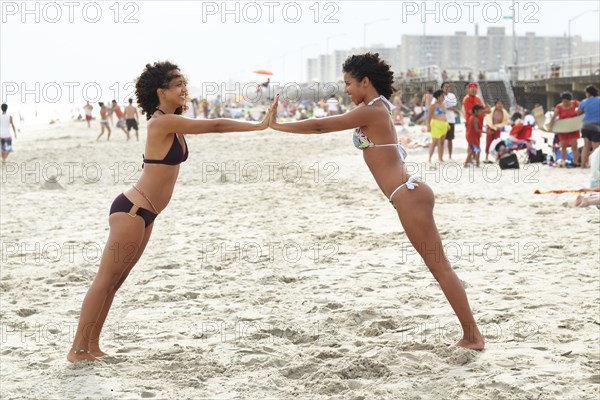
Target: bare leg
575,150
126,233
94,341
432,147
109,131
578,200
415,209
469,157
126,133
563,152
449,148
101,133
589,201
585,154
441,148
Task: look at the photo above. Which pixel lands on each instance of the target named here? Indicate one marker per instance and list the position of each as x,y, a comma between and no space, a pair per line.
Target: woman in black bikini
161,92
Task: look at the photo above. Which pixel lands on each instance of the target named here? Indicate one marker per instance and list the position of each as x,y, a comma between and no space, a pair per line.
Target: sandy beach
279,270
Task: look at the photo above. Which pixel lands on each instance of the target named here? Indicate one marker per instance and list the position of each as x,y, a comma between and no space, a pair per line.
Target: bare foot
578,201
477,344
75,356
98,353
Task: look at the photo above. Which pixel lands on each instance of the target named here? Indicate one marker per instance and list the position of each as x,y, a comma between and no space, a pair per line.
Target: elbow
218,127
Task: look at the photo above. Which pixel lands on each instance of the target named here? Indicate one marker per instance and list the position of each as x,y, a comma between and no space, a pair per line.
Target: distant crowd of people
127,118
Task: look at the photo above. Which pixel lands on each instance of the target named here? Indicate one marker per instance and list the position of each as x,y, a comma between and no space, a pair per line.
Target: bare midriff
156,183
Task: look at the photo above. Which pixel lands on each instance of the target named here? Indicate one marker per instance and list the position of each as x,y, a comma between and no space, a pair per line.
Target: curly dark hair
374,68
154,76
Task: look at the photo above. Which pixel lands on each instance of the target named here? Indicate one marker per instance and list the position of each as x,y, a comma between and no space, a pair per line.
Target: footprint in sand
456,355
377,328
363,368
26,312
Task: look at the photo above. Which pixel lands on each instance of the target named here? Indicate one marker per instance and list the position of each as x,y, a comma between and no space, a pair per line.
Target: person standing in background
120,118
131,119
87,109
567,108
590,129
103,121
6,122
451,103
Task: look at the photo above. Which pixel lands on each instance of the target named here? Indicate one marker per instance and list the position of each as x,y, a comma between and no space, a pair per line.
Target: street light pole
515,72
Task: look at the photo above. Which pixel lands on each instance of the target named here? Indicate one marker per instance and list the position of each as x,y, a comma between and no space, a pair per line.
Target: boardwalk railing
563,68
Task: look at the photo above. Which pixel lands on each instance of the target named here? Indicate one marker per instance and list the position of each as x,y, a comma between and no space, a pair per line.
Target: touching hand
264,124
272,117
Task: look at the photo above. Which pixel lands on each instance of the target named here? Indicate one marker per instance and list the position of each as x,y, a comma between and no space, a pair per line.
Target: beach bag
509,161
538,157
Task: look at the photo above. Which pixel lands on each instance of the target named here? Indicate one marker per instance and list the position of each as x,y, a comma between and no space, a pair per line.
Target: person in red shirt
121,116
470,100
567,108
474,135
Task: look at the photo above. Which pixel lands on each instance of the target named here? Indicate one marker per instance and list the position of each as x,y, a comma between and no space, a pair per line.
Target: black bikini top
175,156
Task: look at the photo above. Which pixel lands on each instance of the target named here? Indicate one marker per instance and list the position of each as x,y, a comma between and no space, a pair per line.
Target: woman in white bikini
369,81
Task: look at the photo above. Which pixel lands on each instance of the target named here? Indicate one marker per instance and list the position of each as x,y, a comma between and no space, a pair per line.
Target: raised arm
360,116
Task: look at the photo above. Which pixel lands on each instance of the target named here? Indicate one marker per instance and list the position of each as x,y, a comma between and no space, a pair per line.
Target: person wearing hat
470,100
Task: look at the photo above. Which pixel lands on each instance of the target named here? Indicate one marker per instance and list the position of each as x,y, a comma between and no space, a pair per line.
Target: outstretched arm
176,123
360,116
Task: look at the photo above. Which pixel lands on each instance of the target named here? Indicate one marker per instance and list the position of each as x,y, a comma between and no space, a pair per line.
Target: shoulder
162,125
362,115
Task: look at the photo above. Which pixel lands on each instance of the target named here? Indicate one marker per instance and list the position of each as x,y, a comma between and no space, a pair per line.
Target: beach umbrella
262,72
